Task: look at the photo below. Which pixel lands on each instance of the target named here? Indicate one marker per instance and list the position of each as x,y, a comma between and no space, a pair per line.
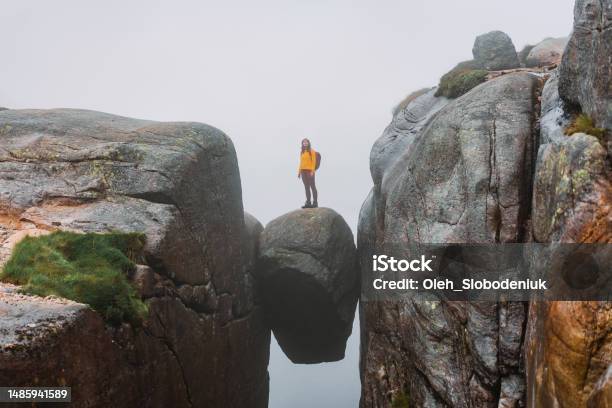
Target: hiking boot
315,205
307,205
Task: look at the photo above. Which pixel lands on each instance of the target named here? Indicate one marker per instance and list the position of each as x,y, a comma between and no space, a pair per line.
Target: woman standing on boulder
309,160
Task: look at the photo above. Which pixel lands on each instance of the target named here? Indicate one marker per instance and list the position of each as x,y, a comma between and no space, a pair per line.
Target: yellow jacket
308,160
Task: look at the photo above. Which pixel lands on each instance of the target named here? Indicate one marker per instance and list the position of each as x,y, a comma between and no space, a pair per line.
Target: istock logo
383,263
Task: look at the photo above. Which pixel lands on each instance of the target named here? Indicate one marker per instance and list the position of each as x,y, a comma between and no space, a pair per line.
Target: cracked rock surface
472,175
204,342
460,179
568,349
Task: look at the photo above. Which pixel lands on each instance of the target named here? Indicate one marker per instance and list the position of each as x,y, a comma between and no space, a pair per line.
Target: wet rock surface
205,342
498,168
309,283
478,148
26,318
568,354
468,189
568,347
54,342
601,396
553,119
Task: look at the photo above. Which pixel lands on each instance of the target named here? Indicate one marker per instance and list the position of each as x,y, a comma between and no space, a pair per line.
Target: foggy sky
267,73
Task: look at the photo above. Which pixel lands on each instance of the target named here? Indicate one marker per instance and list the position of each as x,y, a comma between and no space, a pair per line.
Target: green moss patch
461,79
583,123
401,400
87,268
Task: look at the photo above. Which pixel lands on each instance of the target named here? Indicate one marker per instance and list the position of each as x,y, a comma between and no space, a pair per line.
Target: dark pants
308,178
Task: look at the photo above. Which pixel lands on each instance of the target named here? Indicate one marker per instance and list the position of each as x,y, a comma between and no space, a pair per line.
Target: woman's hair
302,145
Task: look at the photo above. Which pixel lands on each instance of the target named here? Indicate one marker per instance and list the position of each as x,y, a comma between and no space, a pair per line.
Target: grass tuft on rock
87,268
583,123
461,79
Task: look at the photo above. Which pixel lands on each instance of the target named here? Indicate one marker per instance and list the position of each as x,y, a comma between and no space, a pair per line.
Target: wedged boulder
495,51
586,67
464,179
204,342
308,274
547,52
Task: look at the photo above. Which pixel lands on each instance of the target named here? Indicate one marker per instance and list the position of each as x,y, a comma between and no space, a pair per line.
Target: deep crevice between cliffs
525,230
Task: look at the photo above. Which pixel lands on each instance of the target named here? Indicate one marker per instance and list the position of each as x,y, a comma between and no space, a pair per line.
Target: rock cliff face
204,342
586,68
468,189
569,344
399,135
493,166
59,342
310,283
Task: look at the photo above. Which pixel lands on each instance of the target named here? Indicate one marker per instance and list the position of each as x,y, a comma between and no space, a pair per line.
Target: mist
268,74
